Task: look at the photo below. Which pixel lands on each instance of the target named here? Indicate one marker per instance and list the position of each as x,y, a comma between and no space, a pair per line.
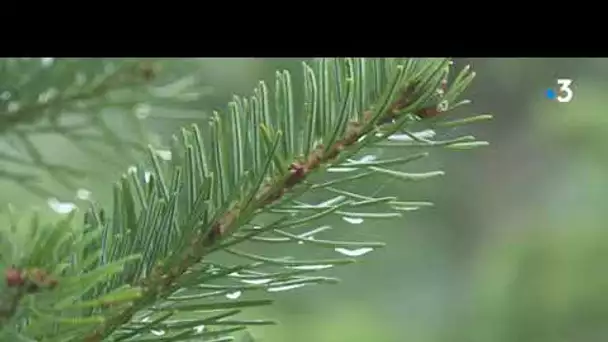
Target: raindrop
354,252
199,329
164,154
257,281
158,332
13,106
234,295
367,158
60,207
285,288
5,96
132,169
147,176
83,194
47,61
142,111
312,267
353,220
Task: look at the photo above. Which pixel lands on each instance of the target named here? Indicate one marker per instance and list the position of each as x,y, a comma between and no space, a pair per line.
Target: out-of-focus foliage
65,123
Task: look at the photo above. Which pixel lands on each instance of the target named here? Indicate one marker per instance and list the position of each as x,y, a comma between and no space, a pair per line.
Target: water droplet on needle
354,252
234,295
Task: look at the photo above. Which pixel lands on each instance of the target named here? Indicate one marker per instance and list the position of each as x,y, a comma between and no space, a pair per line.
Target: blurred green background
515,248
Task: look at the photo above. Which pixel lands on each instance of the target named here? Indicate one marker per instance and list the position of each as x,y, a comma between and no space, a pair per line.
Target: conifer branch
151,258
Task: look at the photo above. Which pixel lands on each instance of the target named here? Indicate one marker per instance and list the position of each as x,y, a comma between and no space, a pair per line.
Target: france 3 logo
564,92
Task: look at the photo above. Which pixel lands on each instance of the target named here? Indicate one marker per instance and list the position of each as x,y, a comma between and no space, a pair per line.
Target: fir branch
244,188
162,281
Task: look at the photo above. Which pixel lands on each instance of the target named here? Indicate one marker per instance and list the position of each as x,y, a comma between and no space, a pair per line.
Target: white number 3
565,92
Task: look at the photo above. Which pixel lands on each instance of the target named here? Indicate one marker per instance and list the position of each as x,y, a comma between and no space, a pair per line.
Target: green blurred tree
163,263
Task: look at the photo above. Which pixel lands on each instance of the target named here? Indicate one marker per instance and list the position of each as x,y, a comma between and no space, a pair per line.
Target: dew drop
354,252
5,96
257,281
132,169
199,329
60,207
234,295
164,154
83,194
365,159
146,319
353,220
311,267
284,288
147,176
158,332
